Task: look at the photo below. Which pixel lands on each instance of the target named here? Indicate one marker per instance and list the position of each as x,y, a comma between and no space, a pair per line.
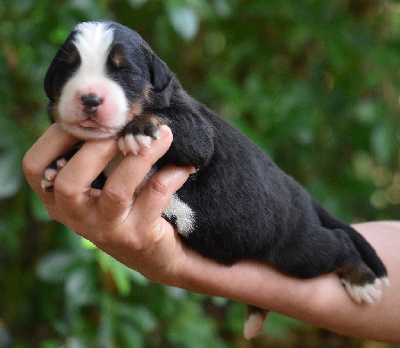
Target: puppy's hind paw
368,293
50,174
253,324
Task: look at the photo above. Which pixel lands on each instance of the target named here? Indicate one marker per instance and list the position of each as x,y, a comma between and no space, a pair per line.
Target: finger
155,197
73,182
117,195
52,144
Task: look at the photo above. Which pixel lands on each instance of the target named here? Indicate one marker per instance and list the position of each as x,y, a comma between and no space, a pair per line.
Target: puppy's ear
160,74
161,79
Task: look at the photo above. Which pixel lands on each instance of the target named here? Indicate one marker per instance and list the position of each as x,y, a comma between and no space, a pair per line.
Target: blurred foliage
315,83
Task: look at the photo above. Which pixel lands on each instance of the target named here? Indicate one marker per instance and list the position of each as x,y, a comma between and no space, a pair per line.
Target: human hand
128,228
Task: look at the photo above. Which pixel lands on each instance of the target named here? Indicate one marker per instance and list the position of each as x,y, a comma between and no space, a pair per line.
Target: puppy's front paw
138,134
50,174
133,143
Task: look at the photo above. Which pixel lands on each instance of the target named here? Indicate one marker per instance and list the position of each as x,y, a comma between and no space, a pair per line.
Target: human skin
132,230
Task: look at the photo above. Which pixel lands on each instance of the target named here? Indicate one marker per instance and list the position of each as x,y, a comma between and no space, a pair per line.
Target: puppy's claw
130,143
143,141
47,186
61,163
50,174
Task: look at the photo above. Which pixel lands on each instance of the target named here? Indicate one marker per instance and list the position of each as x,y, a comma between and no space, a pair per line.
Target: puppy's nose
91,102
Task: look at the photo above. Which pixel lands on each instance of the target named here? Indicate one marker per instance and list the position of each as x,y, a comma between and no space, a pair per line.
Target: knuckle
66,190
140,243
29,166
136,244
159,187
116,194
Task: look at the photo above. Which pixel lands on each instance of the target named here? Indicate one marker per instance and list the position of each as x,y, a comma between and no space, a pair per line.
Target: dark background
315,83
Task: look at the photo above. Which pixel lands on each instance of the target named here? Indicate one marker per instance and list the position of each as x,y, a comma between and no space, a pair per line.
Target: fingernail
163,131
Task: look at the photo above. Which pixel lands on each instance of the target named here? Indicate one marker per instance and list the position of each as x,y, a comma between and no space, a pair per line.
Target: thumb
155,197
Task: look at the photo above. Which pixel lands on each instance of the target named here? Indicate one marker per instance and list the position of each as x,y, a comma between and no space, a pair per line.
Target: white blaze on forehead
93,42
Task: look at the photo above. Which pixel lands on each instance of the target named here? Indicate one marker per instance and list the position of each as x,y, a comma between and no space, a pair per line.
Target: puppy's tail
366,251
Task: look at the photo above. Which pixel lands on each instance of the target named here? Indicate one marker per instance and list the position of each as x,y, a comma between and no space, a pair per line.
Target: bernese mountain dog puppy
105,81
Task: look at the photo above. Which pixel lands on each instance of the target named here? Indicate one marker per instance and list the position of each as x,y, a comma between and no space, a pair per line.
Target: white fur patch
185,218
253,325
369,293
93,41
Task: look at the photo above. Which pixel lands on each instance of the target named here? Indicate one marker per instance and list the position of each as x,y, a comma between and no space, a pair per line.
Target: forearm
321,301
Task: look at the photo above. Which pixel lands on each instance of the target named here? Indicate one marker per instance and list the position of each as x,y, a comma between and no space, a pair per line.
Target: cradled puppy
105,81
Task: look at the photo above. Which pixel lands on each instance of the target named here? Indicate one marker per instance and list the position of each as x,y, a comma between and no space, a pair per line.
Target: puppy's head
102,76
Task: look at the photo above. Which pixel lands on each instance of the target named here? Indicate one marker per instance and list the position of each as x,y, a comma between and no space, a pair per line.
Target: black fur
244,206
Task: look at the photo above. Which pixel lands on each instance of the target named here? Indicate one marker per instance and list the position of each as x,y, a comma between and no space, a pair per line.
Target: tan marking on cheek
146,92
54,91
54,113
135,110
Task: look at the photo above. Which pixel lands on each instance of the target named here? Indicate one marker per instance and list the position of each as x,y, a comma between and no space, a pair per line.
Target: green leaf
76,342
129,336
56,266
10,174
87,244
80,287
143,318
10,155
122,275
383,143
38,209
137,3
50,344
192,329
137,278
279,325
183,18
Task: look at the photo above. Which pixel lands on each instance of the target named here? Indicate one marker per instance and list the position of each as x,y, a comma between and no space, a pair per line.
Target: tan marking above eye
118,60
73,57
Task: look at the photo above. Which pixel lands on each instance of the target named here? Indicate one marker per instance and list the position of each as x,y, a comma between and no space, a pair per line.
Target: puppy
105,81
